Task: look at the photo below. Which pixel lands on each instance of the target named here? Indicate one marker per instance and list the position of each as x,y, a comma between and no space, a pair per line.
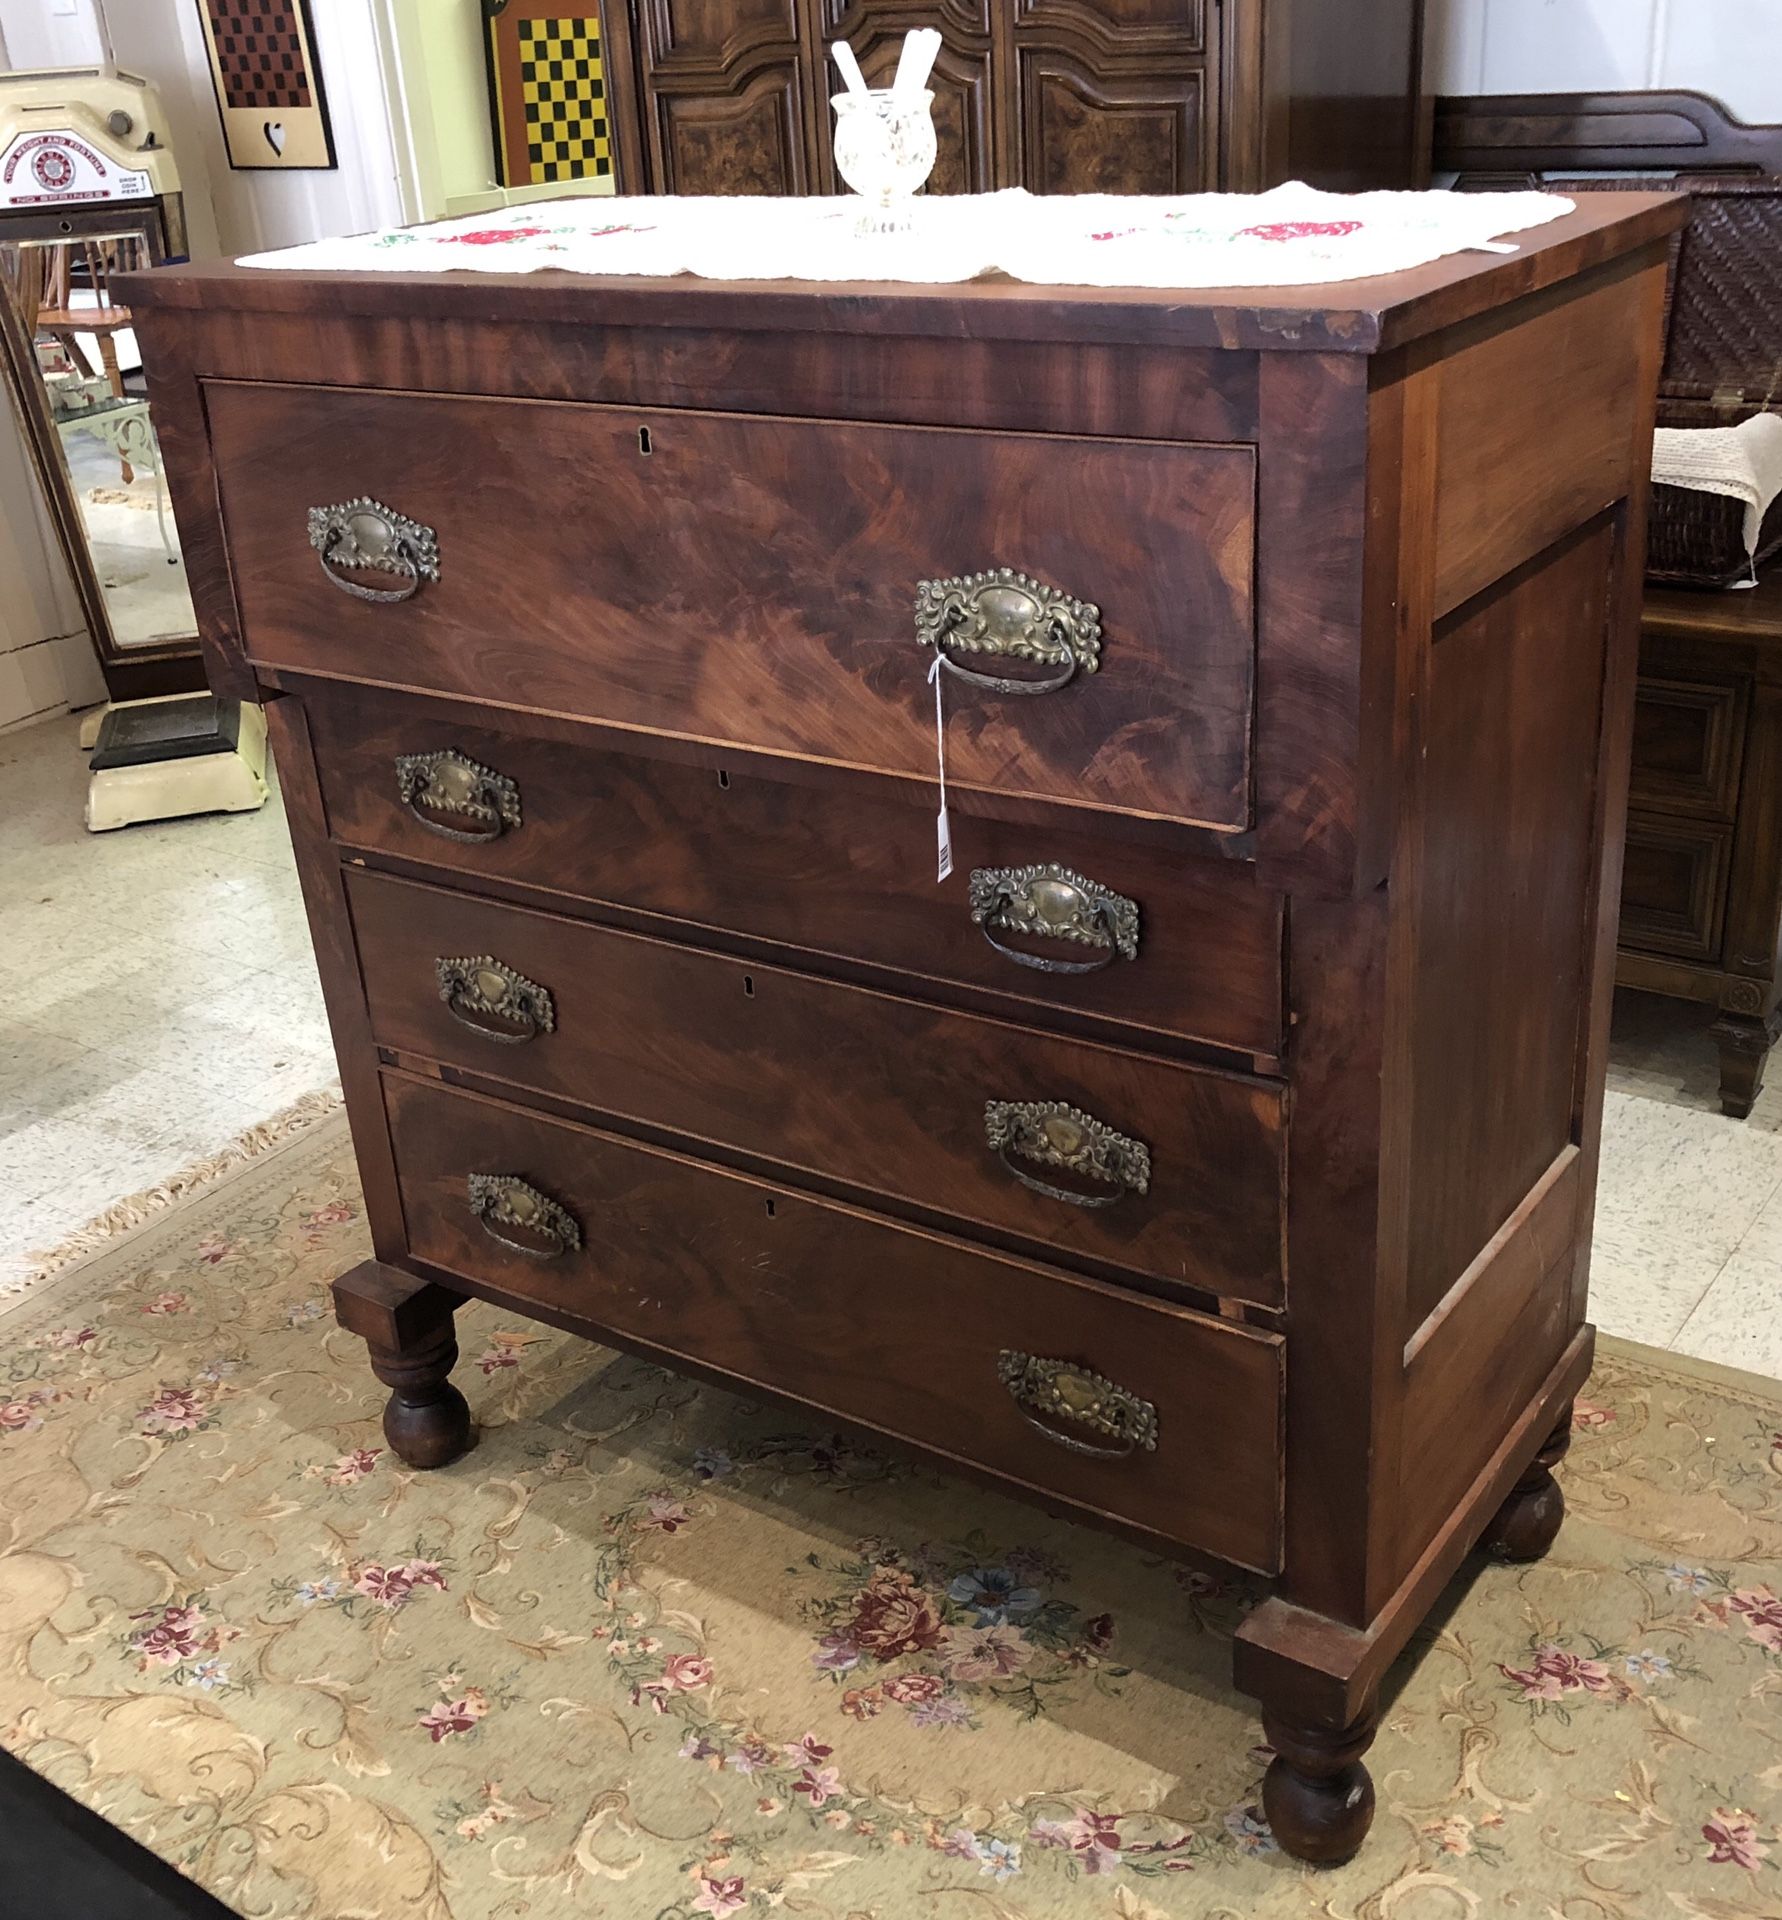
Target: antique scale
84,155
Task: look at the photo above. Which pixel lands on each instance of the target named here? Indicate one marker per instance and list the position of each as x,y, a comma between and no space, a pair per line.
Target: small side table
1701,901
125,427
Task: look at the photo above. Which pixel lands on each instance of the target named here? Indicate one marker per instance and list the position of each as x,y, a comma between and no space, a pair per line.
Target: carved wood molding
1634,131
1087,25
741,51
843,19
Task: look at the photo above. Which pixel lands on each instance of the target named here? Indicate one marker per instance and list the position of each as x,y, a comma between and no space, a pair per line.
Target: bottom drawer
916,1335
1673,887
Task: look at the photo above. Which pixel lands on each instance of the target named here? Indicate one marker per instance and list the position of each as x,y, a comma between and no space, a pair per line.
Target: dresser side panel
1538,667
337,962
172,349
1511,714
1536,400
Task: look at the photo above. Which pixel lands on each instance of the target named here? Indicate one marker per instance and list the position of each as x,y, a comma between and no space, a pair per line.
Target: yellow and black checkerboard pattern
563,93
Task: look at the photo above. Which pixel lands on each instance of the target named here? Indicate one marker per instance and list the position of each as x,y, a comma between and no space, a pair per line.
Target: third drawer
1172,1172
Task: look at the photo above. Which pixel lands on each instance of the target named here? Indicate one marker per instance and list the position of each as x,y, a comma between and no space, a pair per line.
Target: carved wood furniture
1212,1155
1060,96
1513,138
1701,902
1701,910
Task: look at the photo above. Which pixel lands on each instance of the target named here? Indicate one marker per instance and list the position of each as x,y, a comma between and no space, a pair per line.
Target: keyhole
770,1209
723,779
643,441
749,985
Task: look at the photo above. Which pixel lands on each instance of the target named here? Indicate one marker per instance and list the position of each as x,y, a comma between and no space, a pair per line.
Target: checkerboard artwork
553,84
260,55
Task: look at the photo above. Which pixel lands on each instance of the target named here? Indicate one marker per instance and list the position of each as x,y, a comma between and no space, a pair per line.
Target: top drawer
753,582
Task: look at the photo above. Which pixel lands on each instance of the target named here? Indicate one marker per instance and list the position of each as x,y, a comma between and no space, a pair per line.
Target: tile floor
162,999
160,993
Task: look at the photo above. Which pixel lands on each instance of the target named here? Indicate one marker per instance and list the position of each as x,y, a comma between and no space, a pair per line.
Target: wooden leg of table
1744,1040
1317,1795
1527,1523
108,357
407,1325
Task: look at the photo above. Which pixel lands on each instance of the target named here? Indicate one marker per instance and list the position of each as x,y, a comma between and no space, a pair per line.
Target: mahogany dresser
1211,1155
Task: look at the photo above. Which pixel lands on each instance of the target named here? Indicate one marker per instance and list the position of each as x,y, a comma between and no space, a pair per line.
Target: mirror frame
131,673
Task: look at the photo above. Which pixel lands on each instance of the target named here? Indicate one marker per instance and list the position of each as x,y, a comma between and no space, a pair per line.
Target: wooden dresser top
1354,316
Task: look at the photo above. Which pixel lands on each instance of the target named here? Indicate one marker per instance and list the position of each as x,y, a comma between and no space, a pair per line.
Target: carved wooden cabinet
1701,901
1059,96
1211,1154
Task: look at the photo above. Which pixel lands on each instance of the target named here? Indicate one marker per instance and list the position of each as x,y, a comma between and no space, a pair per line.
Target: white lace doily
1291,236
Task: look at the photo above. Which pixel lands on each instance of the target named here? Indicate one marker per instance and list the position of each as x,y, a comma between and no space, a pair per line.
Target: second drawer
1173,1172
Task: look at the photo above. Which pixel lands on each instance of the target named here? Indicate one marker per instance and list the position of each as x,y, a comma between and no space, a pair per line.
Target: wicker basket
1722,362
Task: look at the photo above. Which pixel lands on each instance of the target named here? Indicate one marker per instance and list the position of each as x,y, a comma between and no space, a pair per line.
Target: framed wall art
547,92
269,87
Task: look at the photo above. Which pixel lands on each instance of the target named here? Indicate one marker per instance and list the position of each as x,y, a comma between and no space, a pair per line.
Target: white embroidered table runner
1293,235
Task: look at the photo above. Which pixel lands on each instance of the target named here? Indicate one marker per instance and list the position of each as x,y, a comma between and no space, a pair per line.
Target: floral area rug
653,1651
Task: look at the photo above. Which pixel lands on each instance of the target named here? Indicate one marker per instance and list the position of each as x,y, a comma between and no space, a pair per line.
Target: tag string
943,830
940,728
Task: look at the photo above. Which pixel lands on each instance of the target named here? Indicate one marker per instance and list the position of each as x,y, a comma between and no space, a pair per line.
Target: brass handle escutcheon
1054,903
478,803
1082,1399
1051,1134
489,997
521,1218
1012,616
366,534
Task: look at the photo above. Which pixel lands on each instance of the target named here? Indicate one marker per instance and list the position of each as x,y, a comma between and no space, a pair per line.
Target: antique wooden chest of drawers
1233,1104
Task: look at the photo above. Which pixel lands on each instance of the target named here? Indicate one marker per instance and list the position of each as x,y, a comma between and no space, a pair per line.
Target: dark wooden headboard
1514,135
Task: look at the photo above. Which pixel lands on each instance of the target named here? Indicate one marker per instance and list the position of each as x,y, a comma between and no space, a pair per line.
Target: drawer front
838,874
884,1094
1687,743
1673,888
753,581
897,1329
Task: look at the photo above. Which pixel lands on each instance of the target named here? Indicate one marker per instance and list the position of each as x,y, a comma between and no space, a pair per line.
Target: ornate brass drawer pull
521,1218
1012,615
1052,1134
489,997
1054,903
479,804
1082,1398
365,533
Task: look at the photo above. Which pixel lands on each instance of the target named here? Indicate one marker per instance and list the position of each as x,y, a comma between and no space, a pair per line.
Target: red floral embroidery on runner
494,236
1300,230
503,236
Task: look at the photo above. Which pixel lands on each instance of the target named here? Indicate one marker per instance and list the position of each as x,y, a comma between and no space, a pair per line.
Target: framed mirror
68,357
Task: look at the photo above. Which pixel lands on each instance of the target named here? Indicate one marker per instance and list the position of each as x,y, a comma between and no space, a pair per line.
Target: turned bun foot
1528,1522
1317,1795
427,1425
407,1328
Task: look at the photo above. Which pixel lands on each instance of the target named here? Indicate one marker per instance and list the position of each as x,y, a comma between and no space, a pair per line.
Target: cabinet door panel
1112,96
716,141
724,106
1081,133
1121,26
